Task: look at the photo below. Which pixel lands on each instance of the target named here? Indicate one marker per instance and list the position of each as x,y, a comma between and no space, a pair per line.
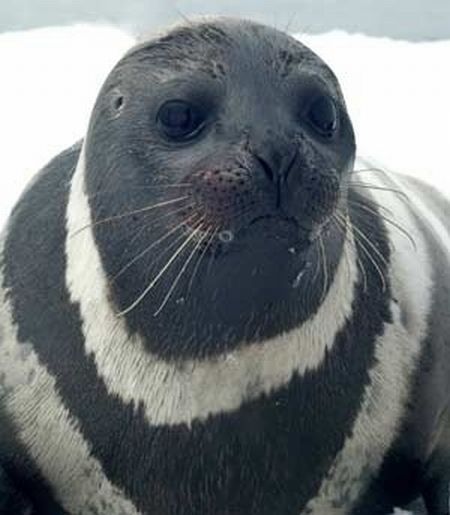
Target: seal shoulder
419,458
56,174
28,246
36,224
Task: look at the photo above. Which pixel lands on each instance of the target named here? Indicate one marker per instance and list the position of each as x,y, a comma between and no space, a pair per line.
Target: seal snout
234,195
222,195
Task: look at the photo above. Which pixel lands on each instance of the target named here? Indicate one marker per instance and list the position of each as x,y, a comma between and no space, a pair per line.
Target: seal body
208,308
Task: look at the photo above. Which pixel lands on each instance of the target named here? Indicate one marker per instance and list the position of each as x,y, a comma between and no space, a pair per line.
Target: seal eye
179,120
322,115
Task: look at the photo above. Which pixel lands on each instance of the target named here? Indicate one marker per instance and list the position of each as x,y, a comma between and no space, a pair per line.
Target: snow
48,83
396,91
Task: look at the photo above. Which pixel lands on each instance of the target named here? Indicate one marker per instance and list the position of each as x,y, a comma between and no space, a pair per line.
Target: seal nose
277,164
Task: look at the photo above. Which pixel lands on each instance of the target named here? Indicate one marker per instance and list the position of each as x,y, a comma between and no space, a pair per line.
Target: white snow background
397,93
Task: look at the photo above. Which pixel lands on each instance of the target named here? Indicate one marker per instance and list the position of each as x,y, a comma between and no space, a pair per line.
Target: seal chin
271,249
282,227
277,233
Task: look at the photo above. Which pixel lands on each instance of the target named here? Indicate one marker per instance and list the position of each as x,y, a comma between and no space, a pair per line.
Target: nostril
290,163
277,165
267,168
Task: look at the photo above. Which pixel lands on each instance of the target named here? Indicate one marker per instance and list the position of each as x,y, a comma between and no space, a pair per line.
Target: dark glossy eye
180,120
322,115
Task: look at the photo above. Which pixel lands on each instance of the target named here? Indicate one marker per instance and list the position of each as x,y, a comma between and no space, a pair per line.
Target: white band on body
174,393
48,431
396,354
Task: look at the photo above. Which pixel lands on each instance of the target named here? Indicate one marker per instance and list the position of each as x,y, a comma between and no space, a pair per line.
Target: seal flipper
12,501
437,497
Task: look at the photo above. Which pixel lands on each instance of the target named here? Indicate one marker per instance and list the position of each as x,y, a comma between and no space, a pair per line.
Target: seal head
216,160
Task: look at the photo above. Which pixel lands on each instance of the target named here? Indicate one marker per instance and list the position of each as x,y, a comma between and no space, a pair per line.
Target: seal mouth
277,226
273,217
279,220
263,231
274,226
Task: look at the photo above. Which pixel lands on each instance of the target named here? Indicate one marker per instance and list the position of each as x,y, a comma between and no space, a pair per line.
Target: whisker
360,264
371,245
182,15
138,188
290,22
181,272
371,202
202,254
210,261
160,274
363,201
363,240
368,170
129,213
375,264
152,246
346,250
159,254
397,225
150,225
325,269
318,262
379,188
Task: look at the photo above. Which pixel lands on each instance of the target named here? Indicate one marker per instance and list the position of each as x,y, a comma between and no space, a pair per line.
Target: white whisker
129,213
203,253
325,268
183,269
152,246
363,206
158,276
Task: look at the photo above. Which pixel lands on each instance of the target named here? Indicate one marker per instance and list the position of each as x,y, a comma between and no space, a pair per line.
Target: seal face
206,309
240,134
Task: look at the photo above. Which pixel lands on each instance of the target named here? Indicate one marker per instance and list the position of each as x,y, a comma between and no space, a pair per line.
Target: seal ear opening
118,103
